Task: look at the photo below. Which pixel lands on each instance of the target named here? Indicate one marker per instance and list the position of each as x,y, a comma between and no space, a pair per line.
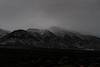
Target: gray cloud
78,15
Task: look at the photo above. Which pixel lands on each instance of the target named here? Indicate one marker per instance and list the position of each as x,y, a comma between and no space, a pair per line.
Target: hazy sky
78,15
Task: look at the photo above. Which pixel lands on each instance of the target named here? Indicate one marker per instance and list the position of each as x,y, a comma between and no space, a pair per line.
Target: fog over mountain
3,32
78,15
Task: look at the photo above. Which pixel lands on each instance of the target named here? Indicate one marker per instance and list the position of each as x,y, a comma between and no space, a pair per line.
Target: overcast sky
79,15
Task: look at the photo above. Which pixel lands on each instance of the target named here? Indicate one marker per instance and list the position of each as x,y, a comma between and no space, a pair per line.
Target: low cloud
79,15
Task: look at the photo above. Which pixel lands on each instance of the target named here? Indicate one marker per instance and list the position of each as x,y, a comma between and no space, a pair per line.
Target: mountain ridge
38,38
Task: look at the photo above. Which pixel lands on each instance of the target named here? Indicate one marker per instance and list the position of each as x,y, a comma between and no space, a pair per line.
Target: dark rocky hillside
36,38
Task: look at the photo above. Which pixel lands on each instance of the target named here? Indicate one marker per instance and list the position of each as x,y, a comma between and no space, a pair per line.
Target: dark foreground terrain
47,57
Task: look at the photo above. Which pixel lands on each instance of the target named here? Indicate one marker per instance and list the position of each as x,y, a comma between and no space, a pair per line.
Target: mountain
20,38
75,39
47,37
42,33
35,32
37,38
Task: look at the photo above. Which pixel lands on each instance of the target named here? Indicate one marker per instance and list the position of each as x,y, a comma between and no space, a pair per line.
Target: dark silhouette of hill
36,38
20,38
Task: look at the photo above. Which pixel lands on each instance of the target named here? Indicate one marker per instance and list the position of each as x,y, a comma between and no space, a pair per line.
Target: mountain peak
21,34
